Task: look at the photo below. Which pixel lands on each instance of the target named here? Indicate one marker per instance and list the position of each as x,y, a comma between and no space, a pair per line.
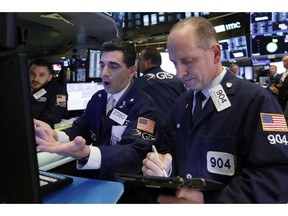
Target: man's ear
50,77
132,71
217,53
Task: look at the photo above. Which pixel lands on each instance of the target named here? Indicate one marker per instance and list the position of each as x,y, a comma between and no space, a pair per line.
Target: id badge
219,97
118,116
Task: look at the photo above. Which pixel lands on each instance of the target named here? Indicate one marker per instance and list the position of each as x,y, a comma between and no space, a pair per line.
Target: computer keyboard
52,182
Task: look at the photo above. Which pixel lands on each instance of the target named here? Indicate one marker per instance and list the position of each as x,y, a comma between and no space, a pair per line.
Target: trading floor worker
162,86
109,136
224,128
49,98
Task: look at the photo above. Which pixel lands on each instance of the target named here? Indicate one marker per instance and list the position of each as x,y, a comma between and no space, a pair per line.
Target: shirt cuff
94,160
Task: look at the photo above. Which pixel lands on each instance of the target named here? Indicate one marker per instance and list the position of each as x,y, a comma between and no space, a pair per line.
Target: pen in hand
157,155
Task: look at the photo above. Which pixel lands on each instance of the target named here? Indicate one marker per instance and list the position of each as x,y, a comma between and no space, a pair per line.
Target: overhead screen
232,33
269,36
93,65
234,48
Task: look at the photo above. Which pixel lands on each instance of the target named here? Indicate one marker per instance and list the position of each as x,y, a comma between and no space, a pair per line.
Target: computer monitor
247,72
19,182
268,34
80,75
279,65
167,65
234,48
93,65
80,93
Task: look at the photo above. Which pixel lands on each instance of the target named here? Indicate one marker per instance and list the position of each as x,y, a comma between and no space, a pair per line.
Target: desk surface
87,191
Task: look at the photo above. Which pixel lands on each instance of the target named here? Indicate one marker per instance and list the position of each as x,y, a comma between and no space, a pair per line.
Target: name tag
220,163
39,93
118,116
219,98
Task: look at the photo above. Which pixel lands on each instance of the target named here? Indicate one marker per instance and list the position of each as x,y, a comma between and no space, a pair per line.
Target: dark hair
126,47
42,62
152,54
233,65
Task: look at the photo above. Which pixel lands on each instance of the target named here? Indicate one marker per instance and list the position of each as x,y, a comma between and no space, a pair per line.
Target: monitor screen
81,75
93,65
19,182
246,72
268,34
80,93
279,65
233,48
167,65
260,62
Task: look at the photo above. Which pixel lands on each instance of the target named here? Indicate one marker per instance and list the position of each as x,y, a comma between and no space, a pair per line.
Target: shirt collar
118,95
217,80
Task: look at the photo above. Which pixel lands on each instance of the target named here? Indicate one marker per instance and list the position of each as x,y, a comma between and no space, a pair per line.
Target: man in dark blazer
119,140
239,138
163,87
49,97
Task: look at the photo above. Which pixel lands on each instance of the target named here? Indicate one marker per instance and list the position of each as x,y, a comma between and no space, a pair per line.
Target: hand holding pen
157,155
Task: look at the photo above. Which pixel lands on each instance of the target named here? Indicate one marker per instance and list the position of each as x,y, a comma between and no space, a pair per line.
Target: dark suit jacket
136,141
234,146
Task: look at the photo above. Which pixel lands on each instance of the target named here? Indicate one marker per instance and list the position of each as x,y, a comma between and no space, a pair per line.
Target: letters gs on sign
159,75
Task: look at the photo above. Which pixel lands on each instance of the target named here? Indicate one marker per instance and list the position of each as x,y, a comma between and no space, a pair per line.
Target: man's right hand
153,166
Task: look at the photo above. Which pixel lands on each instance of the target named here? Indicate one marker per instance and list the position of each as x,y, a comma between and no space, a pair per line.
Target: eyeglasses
138,60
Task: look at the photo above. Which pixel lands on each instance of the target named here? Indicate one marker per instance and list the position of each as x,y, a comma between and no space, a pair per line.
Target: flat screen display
93,64
19,182
247,72
260,62
268,33
233,48
81,75
167,65
80,93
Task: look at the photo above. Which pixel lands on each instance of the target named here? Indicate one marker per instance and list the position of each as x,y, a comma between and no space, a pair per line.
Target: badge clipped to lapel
118,116
219,97
39,93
